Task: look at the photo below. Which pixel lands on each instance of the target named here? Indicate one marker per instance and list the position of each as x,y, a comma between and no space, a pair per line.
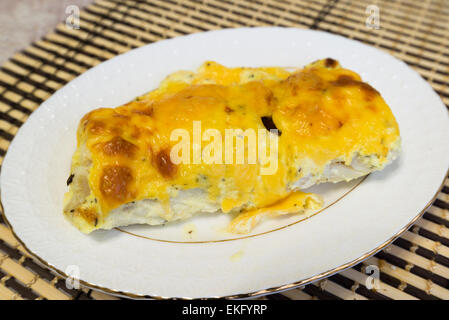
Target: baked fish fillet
331,126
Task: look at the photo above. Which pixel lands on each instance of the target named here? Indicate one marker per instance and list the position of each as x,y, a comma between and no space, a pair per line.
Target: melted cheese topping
323,112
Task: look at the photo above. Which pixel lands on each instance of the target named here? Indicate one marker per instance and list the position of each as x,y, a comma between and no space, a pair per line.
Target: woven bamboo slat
415,266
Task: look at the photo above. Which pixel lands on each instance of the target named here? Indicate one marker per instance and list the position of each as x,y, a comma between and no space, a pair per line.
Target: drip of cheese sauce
324,112
295,202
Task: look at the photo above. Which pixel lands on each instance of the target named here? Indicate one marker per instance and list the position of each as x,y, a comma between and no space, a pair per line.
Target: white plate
365,220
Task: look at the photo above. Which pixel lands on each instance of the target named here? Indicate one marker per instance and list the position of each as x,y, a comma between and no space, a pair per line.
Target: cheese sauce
323,112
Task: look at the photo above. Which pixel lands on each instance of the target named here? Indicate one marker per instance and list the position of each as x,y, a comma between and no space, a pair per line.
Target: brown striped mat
415,266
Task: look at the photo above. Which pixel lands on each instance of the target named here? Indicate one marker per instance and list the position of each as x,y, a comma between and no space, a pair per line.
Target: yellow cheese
324,112
295,202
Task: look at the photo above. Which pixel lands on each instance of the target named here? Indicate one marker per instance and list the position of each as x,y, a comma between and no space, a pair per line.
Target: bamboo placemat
415,266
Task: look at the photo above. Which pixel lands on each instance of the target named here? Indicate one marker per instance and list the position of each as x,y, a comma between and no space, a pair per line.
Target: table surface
25,21
44,55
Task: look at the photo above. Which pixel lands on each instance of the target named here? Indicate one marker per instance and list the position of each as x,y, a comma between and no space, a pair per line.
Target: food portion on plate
322,123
